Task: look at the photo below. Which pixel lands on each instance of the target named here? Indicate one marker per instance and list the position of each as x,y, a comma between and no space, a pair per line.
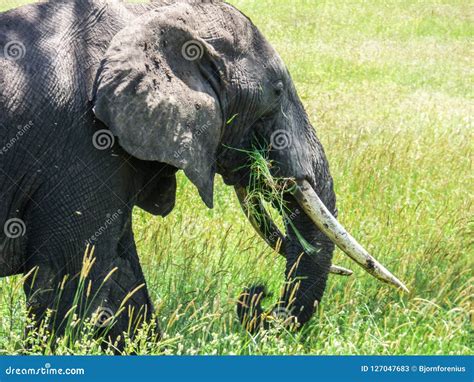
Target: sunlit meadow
388,86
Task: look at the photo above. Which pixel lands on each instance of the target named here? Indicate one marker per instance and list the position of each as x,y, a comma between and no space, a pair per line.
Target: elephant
102,103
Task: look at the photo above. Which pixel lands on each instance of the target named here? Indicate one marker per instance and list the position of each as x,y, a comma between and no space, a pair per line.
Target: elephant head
194,85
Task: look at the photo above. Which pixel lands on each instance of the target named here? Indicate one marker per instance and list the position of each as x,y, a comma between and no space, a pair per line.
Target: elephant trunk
308,263
306,270
312,233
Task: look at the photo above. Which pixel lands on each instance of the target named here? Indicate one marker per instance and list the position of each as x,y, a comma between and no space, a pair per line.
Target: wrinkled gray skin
90,65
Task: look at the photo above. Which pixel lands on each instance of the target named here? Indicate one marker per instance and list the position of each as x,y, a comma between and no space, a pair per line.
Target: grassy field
388,86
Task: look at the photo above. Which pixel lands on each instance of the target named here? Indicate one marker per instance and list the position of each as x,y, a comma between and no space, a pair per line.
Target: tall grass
388,86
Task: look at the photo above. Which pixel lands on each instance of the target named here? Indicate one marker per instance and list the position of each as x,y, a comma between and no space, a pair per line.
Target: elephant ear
158,91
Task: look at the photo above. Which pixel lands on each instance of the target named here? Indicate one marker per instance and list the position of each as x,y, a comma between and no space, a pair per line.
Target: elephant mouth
304,194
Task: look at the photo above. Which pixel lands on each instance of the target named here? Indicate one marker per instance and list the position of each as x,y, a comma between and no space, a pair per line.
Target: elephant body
102,102
62,183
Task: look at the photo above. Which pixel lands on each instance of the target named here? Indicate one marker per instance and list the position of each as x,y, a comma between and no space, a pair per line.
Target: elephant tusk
341,271
265,225
328,224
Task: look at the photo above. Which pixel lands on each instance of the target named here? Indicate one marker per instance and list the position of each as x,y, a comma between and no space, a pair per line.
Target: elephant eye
279,86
